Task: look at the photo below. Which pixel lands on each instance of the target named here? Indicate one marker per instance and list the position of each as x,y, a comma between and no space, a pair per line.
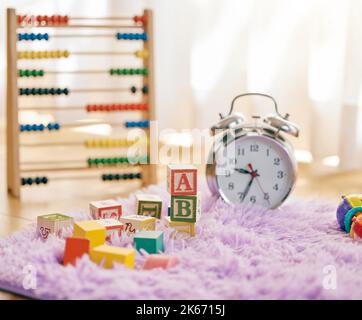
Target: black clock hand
243,171
247,172
247,189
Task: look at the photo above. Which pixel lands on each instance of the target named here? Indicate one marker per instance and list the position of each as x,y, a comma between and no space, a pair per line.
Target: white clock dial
255,170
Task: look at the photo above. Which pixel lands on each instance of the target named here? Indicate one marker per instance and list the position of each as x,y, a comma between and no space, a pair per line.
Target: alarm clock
252,163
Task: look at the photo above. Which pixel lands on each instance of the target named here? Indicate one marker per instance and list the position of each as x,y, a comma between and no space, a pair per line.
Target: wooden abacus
15,168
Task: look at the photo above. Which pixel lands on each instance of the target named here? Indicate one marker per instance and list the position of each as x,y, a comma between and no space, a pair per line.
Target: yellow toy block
180,227
109,254
135,222
91,230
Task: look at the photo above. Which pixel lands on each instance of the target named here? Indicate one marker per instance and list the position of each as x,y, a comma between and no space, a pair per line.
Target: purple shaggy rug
295,252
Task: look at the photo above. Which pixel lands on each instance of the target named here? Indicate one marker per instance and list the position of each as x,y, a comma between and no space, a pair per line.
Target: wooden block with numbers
149,205
185,208
52,223
180,228
105,209
91,230
113,227
135,222
181,180
75,248
109,255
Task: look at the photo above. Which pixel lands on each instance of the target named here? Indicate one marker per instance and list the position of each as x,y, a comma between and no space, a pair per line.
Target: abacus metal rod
80,168
46,108
102,18
79,26
81,90
67,144
76,71
114,53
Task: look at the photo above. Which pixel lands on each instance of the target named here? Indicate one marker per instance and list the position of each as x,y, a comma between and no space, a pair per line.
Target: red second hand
255,175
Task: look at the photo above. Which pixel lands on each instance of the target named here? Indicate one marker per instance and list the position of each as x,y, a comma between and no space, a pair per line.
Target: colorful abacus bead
140,19
30,73
130,71
43,54
43,91
349,207
116,161
33,36
142,54
137,124
121,176
39,127
131,36
30,181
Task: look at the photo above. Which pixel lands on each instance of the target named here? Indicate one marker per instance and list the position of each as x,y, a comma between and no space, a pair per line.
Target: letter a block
108,255
105,209
53,223
91,230
182,180
75,248
150,241
149,205
185,208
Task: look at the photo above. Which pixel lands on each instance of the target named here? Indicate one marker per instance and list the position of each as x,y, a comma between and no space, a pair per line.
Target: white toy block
134,223
53,223
182,180
180,228
113,227
105,209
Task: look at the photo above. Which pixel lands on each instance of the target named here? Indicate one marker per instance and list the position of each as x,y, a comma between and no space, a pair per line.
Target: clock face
255,170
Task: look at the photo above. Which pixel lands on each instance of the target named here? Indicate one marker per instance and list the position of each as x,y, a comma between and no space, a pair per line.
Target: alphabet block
134,223
74,249
91,230
108,255
150,241
185,208
113,227
160,261
182,180
149,205
105,209
180,228
52,223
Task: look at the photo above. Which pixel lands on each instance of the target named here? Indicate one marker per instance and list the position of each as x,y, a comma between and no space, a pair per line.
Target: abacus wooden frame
149,173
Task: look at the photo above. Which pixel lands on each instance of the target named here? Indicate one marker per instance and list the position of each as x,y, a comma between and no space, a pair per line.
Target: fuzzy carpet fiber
238,253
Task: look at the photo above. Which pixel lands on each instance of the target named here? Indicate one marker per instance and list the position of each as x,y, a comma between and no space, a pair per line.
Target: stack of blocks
185,199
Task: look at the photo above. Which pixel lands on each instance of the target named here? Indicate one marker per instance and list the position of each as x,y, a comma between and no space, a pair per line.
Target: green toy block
150,241
185,208
149,205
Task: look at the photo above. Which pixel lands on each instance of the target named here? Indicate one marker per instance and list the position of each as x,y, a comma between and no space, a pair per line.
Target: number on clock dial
265,176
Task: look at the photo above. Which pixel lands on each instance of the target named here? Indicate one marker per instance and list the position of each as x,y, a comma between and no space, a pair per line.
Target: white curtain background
306,53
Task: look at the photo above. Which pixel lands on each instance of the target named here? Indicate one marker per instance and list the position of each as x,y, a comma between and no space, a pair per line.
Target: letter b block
181,180
184,208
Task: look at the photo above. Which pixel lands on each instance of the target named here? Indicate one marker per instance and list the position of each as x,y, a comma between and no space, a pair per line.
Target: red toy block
74,249
182,180
160,261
